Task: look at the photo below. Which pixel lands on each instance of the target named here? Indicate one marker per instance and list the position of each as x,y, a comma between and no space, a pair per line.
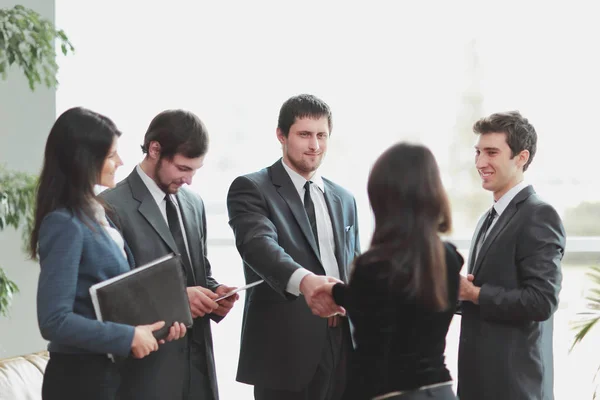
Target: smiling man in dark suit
511,292
157,216
296,230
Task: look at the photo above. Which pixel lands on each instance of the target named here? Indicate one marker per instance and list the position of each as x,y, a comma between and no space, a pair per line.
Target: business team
298,231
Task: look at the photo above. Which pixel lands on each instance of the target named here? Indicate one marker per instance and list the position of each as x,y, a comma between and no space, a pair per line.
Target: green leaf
7,289
27,40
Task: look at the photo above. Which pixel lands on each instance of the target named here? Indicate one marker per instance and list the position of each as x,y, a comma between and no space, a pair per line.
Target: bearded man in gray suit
511,292
157,216
293,228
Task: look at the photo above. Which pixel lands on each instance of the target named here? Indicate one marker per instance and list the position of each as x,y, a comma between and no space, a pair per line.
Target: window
389,71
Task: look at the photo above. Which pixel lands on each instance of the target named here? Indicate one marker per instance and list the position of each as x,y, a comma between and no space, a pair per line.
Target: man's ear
154,150
280,136
523,157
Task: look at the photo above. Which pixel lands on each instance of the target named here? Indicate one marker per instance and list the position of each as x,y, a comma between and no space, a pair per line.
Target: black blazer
282,340
135,211
505,349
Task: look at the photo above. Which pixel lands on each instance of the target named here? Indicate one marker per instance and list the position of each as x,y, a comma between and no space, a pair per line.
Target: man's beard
163,186
301,165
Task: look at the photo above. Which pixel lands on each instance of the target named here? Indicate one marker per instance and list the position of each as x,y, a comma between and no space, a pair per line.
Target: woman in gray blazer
77,247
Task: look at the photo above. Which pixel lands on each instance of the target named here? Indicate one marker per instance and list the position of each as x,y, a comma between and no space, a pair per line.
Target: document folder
152,292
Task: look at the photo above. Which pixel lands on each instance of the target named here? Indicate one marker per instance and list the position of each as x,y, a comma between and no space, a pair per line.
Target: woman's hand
144,342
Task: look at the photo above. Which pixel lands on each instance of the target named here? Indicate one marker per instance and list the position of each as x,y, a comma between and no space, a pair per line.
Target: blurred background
390,70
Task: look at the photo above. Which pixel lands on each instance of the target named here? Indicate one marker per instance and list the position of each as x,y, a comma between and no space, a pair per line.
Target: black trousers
198,384
329,380
80,376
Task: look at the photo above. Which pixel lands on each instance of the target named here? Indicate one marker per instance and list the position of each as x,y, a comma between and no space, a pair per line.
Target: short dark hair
302,106
177,132
76,150
520,134
411,207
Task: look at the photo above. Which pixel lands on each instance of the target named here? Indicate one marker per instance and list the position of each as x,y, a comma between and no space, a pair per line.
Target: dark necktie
484,229
309,206
175,228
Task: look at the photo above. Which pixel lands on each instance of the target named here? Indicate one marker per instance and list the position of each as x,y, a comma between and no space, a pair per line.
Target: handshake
317,291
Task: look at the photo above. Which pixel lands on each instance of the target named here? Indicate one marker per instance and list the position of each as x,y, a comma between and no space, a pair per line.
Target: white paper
234,291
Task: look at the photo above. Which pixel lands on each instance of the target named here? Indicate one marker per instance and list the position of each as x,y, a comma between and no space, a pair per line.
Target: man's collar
505,200
299,181
156,192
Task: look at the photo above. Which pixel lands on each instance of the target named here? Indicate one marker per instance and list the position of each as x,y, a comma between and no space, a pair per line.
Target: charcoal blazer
161,374
505,349
282,341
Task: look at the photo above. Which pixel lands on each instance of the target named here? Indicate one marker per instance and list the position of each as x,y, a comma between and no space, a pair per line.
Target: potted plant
17,200
589,318
27,40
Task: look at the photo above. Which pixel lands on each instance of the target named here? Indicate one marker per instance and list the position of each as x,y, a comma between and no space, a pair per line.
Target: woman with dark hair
78,246
403,290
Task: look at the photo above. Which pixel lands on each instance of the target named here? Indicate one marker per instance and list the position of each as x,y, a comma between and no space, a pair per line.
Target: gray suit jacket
162,375
505,349
282,340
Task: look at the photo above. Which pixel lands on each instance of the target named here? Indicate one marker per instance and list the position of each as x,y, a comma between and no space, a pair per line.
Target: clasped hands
317,291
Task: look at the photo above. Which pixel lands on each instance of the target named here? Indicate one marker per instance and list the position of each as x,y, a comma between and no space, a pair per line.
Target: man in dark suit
157,217
511,292
296,230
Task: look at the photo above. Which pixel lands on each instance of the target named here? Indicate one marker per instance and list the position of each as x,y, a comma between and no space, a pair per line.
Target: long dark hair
410,207
76,149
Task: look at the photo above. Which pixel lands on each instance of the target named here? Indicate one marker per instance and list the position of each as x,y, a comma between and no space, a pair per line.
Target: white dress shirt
503,202
115,235
324,228
159,197
500,206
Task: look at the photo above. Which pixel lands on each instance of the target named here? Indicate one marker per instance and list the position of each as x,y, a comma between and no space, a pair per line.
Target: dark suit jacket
505,349
282,340
162,375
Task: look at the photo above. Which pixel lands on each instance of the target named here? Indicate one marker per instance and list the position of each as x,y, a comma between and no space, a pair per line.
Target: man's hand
467,290
202,301
333,321
177,331
226,304
317,293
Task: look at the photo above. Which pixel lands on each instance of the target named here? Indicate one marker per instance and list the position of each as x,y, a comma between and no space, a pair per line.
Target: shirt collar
299,181
503,201
153,188
99,212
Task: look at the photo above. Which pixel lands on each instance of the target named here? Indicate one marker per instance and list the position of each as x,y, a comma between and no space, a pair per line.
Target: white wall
25,120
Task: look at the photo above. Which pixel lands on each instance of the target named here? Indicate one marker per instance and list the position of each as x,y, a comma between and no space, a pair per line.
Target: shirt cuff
293,286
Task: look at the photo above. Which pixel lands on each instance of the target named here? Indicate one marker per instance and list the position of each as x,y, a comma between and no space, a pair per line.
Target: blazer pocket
349,240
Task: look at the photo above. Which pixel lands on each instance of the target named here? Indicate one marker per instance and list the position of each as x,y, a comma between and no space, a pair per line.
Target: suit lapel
474,244
334,206
191,231
503,220
149,209
288,192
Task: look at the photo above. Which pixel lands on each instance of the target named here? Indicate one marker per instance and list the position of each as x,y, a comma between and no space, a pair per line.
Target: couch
21,377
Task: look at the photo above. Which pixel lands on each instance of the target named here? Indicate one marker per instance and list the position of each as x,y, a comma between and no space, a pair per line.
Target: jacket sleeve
211,282
60,249
256,235
541,246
